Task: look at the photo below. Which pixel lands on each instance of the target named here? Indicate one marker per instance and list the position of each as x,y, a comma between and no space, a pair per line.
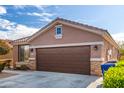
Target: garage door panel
66,59
63,63
65,70
59,64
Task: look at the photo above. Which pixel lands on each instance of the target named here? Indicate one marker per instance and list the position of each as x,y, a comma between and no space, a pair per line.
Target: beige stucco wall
96,53
70,35
32,59
108,46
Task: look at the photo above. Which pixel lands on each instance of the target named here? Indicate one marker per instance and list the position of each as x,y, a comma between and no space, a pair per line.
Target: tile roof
81,24
22,39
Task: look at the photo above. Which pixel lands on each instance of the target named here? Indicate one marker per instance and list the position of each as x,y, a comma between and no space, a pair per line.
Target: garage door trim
67,45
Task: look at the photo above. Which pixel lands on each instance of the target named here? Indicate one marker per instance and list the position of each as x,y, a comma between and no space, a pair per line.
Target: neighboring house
66,46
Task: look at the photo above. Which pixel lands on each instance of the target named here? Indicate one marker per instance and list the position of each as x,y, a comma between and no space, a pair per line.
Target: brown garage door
64,59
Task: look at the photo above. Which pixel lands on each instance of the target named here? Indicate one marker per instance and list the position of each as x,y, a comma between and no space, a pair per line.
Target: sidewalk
96,84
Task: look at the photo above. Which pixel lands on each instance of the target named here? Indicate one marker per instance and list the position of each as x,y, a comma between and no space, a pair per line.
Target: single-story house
66,46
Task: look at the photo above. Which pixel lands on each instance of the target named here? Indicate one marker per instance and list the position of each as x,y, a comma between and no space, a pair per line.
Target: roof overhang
108,38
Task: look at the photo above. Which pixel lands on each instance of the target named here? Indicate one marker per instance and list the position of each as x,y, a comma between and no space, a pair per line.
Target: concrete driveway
42,79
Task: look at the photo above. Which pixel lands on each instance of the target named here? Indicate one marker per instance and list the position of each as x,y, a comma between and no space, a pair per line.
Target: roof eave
109,38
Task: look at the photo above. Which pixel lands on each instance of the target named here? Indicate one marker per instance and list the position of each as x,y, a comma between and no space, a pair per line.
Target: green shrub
22,67
114,77
2,66
120,63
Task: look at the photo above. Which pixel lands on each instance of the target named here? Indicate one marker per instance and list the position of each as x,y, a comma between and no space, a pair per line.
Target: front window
58,31
23,53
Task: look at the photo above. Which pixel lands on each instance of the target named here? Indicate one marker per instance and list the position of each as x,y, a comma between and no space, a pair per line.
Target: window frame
58,26
19,47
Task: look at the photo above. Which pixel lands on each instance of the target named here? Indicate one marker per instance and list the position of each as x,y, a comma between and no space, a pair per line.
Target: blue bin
106,66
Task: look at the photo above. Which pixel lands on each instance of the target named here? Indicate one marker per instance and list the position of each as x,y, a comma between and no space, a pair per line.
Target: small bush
114,77
120,63
2,66
22,67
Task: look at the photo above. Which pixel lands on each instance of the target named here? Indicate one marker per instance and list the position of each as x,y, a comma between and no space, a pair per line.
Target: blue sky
21,21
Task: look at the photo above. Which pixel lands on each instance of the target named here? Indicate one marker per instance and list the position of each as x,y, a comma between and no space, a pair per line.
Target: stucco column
32,59
15,55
